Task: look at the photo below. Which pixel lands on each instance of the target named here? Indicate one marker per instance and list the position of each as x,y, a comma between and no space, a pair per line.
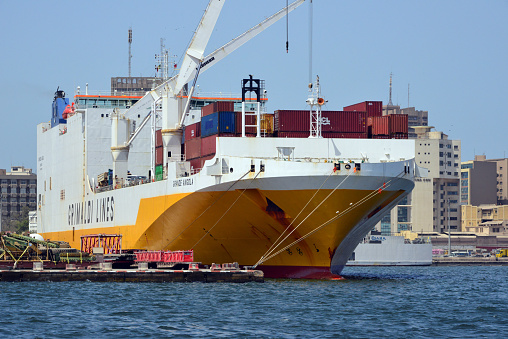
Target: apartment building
479,182
18,188
434,203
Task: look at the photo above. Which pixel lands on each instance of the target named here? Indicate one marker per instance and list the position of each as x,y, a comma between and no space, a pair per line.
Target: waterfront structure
485,219
435,199
18,190
478,185
414,117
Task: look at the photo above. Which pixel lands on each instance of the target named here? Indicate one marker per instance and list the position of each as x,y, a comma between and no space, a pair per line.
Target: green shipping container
158,173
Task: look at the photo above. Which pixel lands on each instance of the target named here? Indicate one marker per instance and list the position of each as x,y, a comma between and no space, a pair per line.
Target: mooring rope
277,243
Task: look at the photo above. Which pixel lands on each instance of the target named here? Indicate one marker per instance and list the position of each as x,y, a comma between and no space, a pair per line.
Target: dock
469,261
134,275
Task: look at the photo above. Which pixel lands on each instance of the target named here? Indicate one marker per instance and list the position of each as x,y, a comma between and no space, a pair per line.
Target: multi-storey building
502,183
18,189
485,219
478,184
434,203
415,117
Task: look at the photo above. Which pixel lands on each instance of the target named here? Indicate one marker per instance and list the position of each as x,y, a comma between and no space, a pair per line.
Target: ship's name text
91,211
183,182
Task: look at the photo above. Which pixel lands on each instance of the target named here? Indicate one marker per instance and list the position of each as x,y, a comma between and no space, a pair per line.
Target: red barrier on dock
165,256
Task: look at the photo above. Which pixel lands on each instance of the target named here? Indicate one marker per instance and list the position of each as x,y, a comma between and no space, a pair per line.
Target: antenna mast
162,62
130,55
407,95
390,100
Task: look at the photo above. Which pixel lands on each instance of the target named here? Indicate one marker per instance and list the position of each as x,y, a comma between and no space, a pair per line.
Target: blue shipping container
218,123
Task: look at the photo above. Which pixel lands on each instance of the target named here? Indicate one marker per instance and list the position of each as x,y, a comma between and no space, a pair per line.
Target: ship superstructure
297,207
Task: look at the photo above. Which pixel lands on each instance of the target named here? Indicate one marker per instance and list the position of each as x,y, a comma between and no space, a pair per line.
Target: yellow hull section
235,226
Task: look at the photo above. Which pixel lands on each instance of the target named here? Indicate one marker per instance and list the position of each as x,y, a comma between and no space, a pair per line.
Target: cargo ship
225,179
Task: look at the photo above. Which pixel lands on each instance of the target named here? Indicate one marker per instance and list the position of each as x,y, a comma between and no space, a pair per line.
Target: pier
134,275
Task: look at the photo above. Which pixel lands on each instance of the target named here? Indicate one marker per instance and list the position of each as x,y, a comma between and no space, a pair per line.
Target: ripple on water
370,302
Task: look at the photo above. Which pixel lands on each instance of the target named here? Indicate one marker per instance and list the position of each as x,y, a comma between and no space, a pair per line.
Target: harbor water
457,301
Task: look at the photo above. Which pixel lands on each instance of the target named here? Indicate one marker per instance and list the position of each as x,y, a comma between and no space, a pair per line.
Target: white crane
174,105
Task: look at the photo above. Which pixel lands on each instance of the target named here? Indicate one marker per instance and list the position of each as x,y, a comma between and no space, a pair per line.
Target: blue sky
452,53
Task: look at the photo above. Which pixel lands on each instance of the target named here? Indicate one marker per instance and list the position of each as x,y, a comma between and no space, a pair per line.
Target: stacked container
218,106
335,124
159,155
373,108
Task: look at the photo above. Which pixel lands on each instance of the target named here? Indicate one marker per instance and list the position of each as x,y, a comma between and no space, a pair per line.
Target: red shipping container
346,122
292,121
208,145
381,137
158,138
331,121
380,125
193,148
159,155
398,123
373,108
249,120
218,106
193,131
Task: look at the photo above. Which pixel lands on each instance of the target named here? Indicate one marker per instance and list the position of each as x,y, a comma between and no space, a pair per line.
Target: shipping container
342,121
193,148
381,137
380,125
249,120
208,145
159,155
398,123
218,106
158,138
218,123
331,121
292,121
159,172
192,131
373,108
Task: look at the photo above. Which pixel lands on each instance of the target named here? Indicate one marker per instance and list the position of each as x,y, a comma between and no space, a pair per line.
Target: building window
440,145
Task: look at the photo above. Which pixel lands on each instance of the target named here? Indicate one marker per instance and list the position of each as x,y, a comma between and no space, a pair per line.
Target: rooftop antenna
390,100
162,62
407,95
130,55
